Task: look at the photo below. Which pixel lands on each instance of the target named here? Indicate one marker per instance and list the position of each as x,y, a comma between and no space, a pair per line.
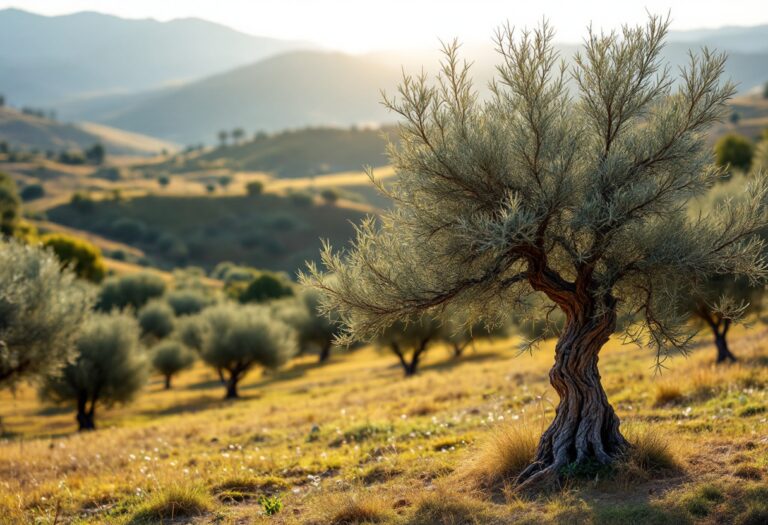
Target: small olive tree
156,319
236,339
188,302
41,309
109,367
313,329
580,197
410,340
169,358
131,290
10,205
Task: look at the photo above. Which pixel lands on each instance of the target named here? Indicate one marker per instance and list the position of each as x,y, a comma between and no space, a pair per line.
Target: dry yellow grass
354,429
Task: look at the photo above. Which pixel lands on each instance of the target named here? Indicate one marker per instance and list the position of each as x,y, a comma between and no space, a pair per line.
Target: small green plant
271,504
584,470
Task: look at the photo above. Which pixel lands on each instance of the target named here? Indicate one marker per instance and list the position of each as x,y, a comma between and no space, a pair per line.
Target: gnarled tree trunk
585,428
232,387
168,382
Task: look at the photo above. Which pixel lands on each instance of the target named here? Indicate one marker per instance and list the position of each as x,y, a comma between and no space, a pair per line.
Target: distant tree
460,337
580,195
734,118
225,181
32,192
265,287
2,101
163,180
10,205
74,158
127,229
313,328
734,151
169,358
156,319
81,201
223,136
132,290
237,135
41,310
3,147
255,187
765,90
95,154
210,188
187,302
109,368
238,338
409,341
77,254
330,196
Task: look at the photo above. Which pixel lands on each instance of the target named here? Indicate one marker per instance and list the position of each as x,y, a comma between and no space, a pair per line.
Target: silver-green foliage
582,198
41,309
110,366
237,338
156,319
302,313
171,357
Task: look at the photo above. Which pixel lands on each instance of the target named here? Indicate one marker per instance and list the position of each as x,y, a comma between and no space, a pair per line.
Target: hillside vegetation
354,442
266,231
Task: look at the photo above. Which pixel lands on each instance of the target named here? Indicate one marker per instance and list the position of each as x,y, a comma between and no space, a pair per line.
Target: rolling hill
266,231
300,153
24,131
291,90
44,60
310,88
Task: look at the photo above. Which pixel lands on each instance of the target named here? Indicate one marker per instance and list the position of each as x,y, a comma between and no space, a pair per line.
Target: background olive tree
235,339
109,368
169,358
313,329
132,290
582,198
410,340
41,309
156,319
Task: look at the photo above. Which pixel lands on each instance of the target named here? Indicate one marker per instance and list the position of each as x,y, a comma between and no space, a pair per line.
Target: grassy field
353,442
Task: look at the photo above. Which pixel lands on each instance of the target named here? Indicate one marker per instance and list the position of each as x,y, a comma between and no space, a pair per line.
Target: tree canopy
109,367
80,255
238,338
41,309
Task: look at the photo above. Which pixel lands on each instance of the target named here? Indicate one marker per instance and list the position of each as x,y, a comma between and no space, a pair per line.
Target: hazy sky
362,25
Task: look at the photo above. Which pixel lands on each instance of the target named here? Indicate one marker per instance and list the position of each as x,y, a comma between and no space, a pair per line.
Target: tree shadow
452,362
269,377
197,404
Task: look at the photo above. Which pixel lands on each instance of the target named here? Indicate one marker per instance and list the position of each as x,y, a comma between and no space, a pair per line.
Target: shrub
265,287
109,367
236,338
169,358
300,199
81,201
79,255
187,302
32,192
734,151
156,319
41,310
132,290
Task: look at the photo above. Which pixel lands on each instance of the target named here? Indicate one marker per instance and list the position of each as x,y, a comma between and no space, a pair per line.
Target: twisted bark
585,428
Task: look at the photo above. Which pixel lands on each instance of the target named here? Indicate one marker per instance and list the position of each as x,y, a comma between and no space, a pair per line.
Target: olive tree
10,205
236,339
169,358
156,319
313,329
41,310
582,198
109,367
81,256
410,340
131,290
